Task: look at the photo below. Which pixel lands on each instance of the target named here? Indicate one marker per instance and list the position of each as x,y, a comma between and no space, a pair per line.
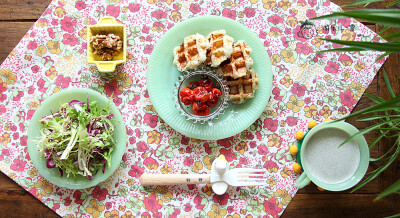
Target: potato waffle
191,53
239,62
242,88
221,47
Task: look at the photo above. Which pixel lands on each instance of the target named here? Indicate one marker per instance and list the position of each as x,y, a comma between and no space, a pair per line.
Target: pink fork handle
174,179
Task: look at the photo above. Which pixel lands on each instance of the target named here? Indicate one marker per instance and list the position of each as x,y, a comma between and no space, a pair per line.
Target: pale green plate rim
162,74
53,103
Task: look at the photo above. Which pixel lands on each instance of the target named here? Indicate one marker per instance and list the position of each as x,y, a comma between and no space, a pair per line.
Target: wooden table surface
17,16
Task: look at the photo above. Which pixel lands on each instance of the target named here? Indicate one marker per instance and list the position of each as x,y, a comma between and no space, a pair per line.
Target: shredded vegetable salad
78,138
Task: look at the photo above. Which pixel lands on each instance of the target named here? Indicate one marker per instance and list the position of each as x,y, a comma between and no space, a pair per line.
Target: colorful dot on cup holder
321,189
312,124
299,135
293,150
327,119
296,168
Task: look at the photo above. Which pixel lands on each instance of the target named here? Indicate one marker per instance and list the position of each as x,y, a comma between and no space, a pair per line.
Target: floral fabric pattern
306,86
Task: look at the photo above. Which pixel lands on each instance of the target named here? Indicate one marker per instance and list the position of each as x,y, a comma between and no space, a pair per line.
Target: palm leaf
382,56
348,49
377,46
387,83
395,187
375,117
393,3
380,169
362,2
377,139
386,17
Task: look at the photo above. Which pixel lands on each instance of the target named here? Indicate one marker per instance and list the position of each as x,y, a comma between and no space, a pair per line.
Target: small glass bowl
196,75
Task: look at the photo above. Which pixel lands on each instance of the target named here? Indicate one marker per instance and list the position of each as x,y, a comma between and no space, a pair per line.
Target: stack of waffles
232,60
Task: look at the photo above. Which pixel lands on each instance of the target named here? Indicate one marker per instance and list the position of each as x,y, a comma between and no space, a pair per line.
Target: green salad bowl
52,104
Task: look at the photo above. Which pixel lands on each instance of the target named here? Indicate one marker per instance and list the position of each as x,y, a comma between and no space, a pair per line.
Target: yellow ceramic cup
108,25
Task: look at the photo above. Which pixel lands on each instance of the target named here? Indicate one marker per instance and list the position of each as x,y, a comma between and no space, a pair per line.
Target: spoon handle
174,179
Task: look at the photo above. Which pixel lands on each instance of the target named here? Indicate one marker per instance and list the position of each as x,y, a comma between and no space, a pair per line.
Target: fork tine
252,183
249,170
252,179
252,174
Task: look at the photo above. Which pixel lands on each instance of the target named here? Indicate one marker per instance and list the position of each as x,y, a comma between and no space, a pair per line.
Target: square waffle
242,88
191,53
221,47
239,62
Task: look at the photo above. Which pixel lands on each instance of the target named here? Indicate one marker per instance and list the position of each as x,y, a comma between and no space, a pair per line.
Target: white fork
242,177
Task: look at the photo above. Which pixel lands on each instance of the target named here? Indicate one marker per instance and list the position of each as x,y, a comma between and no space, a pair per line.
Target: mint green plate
52,104
162,74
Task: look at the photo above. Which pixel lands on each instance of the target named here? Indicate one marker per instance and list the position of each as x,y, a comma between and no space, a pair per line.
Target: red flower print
243,160
51,33
113,10
344,21
185,140
298,34
262,34
146,29
194,8
30,114
3,97
291,121
3,87
77,195
18,165
312,3
19,96
175,213
276,92
24,140
146,215
148,49
272,206
262,149
54,22
151,163
187,207
138,133
80,5
298,90
311,13
70,39
229,155
56,206
307,100
303,48
275,19
253,144
229,13
3,110
67,201
67,24
100,194
62,81
197,202
345,60
159,14
271,166
113,87
4,153
249,12
188,161
142,147
227,143
207,148
136,171
332,67
221,199
32,45
347,98
152,203
150,120
271,124
134,7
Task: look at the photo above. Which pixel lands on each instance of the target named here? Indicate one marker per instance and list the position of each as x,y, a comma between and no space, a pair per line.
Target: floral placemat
52,56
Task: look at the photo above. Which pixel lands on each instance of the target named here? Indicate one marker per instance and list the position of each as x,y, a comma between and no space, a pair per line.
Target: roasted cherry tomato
207,84
216,92
187,96
212,100
193,85
200,109
200,94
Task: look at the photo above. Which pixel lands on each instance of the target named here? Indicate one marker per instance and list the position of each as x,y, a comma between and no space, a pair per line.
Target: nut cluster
107,46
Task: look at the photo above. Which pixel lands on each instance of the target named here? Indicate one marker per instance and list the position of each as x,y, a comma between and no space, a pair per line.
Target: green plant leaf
387,83
386,17
380,169
393,3
377,139
348,49
377,117
362,2
391,104
382,56
374,99
380,32
368,129
377,46
384,155
395,187
392,35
